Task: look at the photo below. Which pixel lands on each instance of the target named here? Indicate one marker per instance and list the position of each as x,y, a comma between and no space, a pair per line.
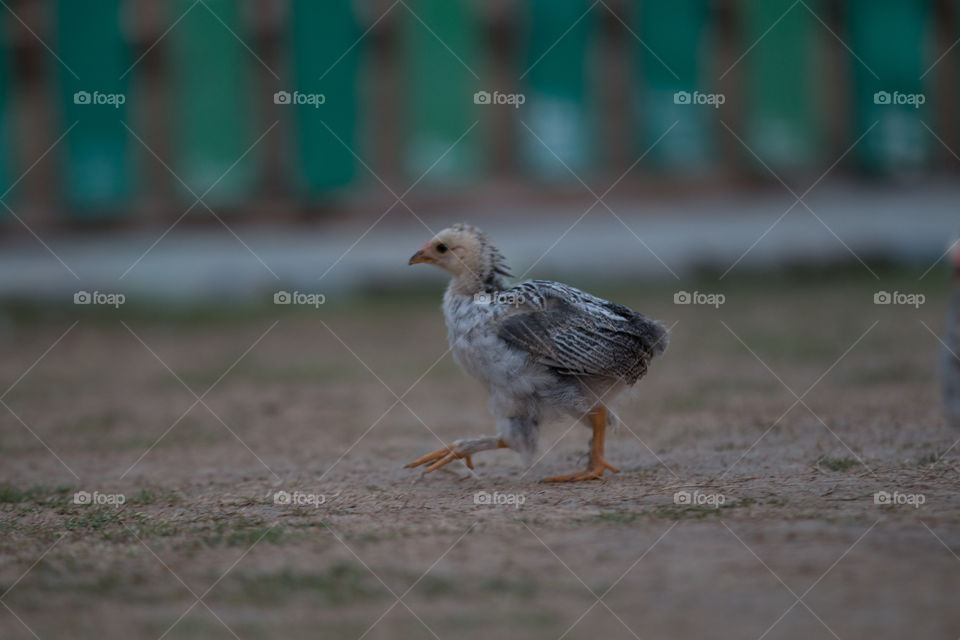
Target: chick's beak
421,255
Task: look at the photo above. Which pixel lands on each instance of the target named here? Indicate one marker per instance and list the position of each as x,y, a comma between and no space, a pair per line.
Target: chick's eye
441,248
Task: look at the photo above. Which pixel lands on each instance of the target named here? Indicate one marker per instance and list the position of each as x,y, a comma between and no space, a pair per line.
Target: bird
950,353
541,349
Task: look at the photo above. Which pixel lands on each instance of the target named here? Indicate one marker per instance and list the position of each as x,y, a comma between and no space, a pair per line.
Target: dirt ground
739,512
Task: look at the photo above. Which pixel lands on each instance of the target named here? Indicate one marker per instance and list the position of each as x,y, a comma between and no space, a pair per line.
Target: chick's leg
598,463
462,448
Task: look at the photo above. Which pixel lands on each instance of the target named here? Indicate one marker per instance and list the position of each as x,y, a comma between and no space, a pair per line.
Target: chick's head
458,250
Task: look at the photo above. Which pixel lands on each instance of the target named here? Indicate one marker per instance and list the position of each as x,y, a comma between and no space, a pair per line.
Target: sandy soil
781,537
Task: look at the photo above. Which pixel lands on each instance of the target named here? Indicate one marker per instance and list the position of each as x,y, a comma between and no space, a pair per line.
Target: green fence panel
98,179
326,66
892,39
210,92
554,74
782,92
441,42
669,63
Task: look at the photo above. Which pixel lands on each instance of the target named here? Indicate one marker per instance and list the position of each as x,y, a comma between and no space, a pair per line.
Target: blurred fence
138,108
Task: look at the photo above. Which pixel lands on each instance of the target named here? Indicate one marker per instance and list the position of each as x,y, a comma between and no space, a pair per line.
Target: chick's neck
472,282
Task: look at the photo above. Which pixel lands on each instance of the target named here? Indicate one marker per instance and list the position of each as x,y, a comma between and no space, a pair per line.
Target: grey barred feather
576,333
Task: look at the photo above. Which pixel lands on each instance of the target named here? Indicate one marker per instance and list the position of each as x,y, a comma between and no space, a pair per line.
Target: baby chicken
542,349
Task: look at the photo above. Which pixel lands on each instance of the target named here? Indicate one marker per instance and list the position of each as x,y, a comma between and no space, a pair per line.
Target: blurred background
239,143
206,212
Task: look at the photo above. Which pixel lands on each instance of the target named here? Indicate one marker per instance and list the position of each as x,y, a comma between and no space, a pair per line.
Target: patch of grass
672,512
685,402
157,495
264,373
100,517
727,446
689,513
928,459
339,584
144,528
433,586
894,373
837,464
97,424
271,534
188,433
39,495
520,588
619,517
242,532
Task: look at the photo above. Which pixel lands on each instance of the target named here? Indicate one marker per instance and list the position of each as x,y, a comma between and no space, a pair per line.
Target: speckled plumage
542,349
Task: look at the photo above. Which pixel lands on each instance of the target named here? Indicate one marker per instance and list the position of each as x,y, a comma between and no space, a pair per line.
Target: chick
542,349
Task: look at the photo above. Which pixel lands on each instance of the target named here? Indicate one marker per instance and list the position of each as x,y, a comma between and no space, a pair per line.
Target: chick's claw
441,457
595,472
462,449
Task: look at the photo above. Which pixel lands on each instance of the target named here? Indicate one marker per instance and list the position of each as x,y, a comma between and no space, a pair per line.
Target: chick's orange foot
598,463
460,449
594,472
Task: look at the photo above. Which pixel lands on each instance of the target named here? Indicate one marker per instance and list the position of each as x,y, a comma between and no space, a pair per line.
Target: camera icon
482,298
282,297
81,497
282,497
882,497
81,97
682,497
682,297
282,97
82,297
682,97
882,297
482,97
881,97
